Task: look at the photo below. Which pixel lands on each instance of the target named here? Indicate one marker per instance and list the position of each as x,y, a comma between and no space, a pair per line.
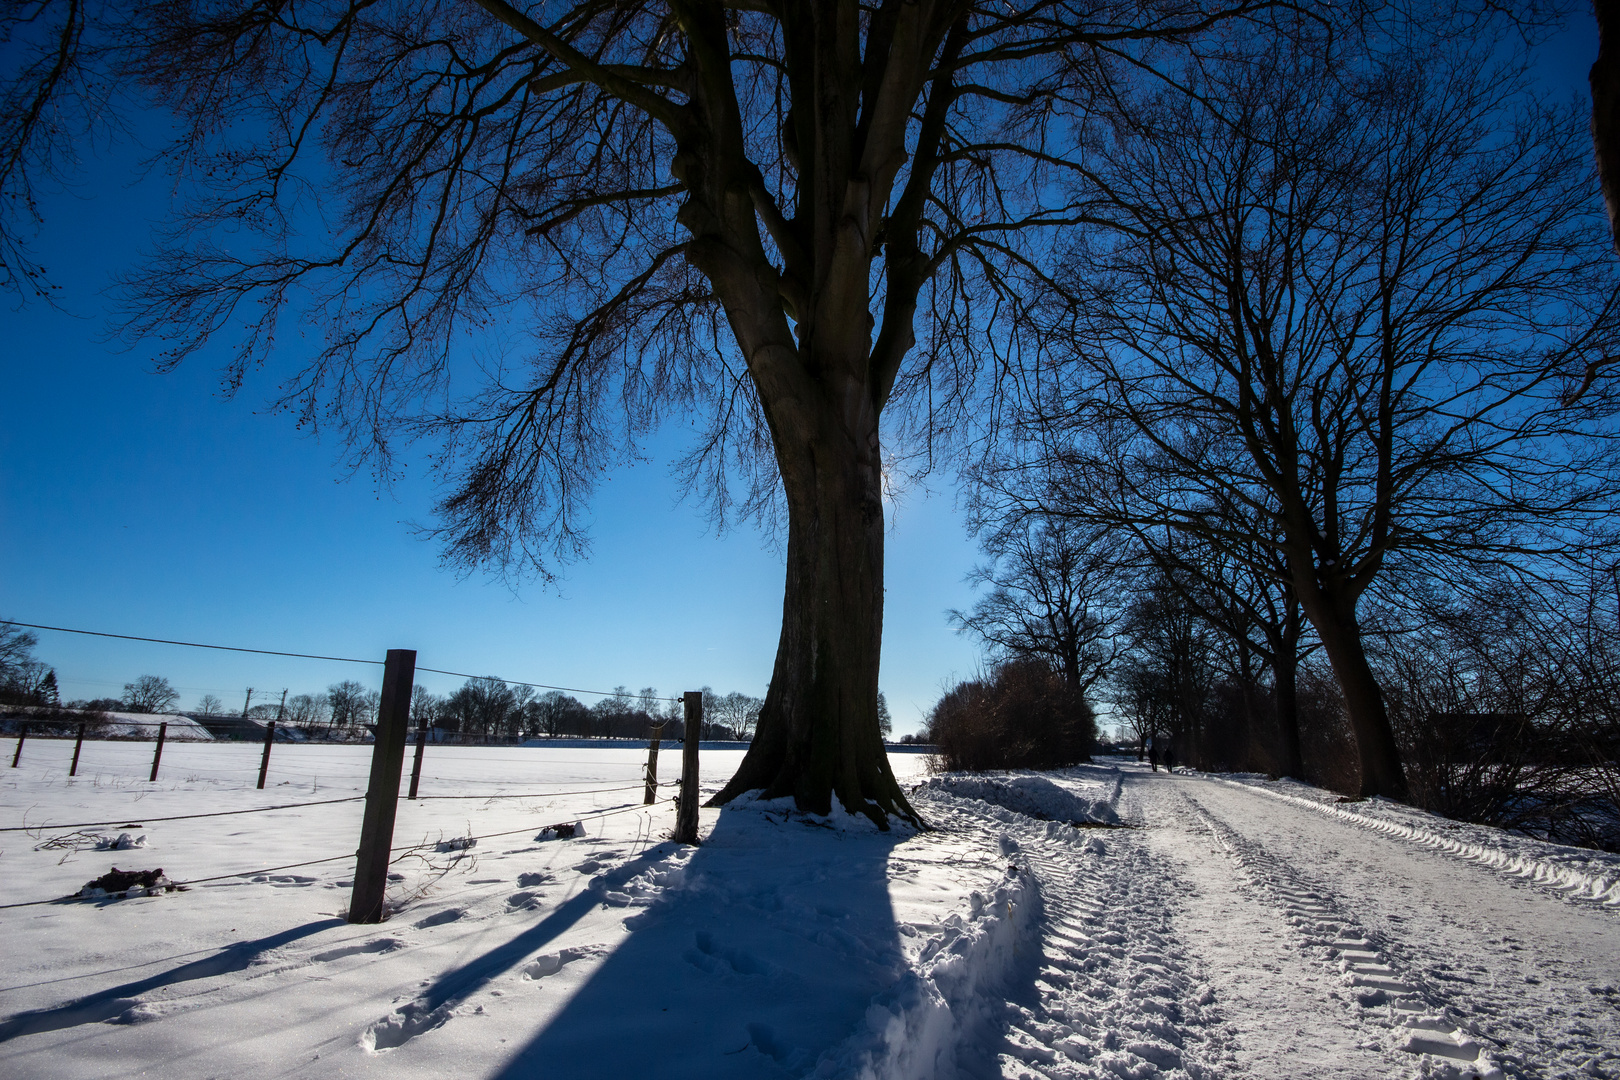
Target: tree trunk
1290,758
1334,617
1247,687
1285,676
818,732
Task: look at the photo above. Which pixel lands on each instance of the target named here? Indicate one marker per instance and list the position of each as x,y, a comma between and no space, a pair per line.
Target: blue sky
149,504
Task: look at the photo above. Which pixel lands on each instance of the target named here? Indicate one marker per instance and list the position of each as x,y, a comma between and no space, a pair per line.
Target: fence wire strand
610,812
181,817
312,656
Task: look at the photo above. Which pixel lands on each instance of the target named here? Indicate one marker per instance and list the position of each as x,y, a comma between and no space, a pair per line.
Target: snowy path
1229,933
1530,973
1196,927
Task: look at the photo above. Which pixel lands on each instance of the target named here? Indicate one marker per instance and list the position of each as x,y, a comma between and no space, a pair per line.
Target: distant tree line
481,708
489,707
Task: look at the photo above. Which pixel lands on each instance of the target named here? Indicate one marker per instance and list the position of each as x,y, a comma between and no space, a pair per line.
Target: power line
193,644
311,656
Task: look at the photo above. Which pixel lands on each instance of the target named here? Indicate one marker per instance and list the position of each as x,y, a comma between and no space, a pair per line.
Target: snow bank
145,726
118,725
838,819
564,742
1587,875
912,1030
1033,796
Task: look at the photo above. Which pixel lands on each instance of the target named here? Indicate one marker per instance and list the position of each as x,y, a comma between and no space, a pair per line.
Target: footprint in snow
548,964
403,1025
139,1012
380,945
717,959
439,918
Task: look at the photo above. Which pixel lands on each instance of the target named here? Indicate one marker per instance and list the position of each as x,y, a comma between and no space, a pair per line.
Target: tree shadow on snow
768,953
108,1004
458,983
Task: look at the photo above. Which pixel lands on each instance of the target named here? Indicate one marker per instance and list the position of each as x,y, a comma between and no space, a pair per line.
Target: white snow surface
1080,800
1583,872
1194,927
129,725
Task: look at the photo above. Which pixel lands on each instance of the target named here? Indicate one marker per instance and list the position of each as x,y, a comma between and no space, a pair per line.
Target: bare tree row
1347,348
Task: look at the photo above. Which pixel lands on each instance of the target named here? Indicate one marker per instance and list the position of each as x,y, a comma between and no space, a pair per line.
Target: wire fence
405,849
386,755
313,656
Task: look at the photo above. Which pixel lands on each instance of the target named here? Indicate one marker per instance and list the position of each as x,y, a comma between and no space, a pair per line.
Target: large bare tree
788,218
1364,303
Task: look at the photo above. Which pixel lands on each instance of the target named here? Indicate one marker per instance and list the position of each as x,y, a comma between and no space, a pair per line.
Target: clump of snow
1032,796
81,840
837,819
459,843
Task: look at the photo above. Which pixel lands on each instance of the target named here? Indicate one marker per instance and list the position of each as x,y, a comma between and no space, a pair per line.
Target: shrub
1022,716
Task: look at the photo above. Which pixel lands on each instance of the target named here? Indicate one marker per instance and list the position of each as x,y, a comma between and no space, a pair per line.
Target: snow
1101,921
1033,795
121,725
1582,872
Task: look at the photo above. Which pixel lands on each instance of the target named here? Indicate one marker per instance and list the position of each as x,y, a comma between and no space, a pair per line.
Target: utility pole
281,710
246,702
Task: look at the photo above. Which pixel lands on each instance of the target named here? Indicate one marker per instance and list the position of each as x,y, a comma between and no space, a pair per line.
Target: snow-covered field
1101,922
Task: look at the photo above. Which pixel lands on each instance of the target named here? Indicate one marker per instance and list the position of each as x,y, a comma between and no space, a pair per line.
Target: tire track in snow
1602,886
1106,990
1422,1021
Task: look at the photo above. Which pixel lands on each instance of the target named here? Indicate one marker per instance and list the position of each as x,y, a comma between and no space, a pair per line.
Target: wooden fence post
652,765
157,754
264,762
22,733
73,770
382,796
686,820
416,766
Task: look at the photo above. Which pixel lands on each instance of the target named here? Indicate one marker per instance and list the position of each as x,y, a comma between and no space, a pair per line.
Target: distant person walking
1169,760
1153,757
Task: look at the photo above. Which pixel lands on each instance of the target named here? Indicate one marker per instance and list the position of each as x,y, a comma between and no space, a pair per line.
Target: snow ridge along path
1580,882
1099,986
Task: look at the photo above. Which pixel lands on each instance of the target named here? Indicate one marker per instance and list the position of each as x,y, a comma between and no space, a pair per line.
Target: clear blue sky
150,504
